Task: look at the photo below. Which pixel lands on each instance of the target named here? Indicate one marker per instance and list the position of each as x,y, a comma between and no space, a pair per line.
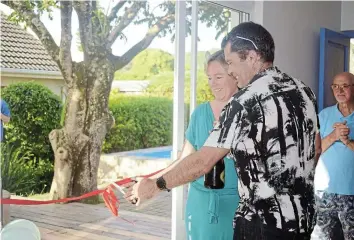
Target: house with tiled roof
24,58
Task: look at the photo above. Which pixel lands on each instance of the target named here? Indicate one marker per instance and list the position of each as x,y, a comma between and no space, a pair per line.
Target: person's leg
346,215
327,226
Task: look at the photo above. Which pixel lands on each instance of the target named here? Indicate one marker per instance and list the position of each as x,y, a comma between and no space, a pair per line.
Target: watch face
161,184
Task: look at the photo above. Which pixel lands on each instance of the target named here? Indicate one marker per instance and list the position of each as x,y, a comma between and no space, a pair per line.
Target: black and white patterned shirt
270,127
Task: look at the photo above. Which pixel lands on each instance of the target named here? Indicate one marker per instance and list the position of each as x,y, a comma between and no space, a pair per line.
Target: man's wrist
351,144
161,184
333,137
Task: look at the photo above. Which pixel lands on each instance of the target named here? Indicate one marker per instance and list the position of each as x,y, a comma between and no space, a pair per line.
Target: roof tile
20,50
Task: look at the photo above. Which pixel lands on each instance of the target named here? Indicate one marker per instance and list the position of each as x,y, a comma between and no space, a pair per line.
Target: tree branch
65,59
115,10
163,23
33,21
127,18
83,10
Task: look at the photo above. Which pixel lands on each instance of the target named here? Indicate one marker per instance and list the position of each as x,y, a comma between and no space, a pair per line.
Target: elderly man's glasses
342,87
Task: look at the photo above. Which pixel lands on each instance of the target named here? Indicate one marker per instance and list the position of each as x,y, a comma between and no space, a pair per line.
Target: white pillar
178,231
235,19
257,14
194,54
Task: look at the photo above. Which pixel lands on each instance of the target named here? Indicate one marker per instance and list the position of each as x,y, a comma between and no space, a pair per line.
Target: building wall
55,85
295,27
347,15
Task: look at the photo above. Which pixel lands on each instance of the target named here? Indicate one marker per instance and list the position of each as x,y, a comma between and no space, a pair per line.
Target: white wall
347,15
295,27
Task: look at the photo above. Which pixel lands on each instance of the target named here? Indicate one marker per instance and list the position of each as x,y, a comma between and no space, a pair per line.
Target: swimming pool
153,153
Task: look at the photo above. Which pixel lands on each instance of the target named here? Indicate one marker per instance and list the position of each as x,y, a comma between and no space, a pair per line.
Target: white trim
27,73
178,231
194,59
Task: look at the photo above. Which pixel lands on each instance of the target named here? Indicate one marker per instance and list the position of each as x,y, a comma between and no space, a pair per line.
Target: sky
134,33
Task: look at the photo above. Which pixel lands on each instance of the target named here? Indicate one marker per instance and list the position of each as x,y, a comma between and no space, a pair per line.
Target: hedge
35,111
140,122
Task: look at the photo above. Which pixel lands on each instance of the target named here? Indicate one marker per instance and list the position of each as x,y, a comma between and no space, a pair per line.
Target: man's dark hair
242,36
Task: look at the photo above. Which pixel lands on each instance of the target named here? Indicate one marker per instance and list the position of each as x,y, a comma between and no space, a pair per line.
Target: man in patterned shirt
270,129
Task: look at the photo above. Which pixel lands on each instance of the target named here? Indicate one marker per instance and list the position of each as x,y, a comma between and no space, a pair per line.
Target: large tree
77,145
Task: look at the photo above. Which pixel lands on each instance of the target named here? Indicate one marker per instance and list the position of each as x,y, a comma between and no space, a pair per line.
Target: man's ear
253,56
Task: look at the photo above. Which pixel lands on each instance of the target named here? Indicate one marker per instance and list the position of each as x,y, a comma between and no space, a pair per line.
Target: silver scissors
134,201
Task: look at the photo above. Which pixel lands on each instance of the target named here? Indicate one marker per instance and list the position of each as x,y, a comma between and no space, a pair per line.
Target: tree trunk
77,146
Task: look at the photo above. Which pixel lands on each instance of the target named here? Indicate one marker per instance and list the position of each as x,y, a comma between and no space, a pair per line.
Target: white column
178,231
257,14
235,19
194,53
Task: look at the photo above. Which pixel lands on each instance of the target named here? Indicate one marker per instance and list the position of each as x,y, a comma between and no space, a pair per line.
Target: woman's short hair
218,56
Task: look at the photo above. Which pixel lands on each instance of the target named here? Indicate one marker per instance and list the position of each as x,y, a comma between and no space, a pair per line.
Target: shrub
140,122
21,173
35,111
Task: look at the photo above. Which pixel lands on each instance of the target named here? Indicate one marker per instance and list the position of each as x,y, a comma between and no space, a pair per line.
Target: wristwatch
161,184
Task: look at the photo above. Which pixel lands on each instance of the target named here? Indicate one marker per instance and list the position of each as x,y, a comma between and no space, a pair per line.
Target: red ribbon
110,199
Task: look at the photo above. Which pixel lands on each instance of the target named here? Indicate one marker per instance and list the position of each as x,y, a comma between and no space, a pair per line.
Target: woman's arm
187,149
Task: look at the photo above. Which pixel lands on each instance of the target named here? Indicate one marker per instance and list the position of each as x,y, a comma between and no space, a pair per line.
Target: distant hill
152,62
200,59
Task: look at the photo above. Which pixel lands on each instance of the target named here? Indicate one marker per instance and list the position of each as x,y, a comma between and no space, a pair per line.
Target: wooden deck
152,221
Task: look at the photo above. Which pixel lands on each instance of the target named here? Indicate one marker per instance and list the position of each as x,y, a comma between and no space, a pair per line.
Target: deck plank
74,221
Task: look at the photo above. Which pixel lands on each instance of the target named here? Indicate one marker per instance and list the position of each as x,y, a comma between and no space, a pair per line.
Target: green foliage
162,86
35,111
40,6
140,122
21,173
212,15
147,64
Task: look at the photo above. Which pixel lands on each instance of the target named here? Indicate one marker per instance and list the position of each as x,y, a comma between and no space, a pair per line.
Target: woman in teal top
209,212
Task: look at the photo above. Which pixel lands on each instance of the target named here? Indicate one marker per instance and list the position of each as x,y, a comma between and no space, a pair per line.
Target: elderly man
334,178
269,128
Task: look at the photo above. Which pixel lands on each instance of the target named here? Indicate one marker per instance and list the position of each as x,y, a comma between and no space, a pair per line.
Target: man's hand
341,132
143,190
4,118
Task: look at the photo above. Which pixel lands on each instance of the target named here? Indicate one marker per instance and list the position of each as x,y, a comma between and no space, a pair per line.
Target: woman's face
222,85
